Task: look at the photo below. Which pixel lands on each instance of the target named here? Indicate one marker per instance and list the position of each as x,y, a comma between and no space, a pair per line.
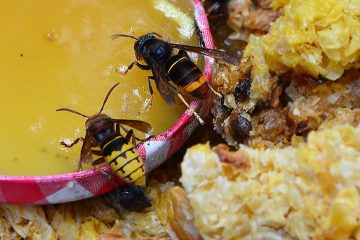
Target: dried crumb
52,36
305,192
236,158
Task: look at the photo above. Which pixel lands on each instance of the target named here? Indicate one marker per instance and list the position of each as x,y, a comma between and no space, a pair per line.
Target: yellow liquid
59,54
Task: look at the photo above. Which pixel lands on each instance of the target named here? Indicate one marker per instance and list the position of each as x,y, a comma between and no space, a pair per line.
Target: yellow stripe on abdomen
141,181
127,165
137,177
172,65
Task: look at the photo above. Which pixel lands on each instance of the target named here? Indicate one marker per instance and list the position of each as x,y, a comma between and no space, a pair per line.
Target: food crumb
185,22
122,69
67,141
52,35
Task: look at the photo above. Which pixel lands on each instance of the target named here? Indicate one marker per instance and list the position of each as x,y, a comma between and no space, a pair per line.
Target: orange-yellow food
319,37
170,217
60,54
310,191
246,17
291,70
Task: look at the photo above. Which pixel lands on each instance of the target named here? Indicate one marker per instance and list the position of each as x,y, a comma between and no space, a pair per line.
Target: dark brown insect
167,67
104,143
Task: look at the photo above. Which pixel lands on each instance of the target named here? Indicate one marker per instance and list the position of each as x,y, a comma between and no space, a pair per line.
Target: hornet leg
100,161
186,104
191,110
214,91
118,126
73,143
141,66
130,136
150,89
103,172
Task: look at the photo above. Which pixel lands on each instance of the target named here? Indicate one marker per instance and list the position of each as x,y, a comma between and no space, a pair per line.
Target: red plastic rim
80,185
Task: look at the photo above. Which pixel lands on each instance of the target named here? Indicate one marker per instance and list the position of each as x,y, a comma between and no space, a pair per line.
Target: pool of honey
59,54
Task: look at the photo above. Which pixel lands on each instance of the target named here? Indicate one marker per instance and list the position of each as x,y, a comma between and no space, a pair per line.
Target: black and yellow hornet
167,66
104,143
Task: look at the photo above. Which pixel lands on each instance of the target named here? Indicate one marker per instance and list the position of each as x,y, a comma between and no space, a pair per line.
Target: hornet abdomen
124,160
185,74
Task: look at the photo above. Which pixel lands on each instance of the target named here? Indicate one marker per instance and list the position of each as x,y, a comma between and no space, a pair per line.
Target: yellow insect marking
132,166
124,148
131,155
137,174
120,161
96,148
194,85
141,181
109,142
127,147
96,157
175,64
128,162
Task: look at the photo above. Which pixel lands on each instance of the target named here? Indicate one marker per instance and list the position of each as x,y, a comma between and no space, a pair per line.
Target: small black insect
167,66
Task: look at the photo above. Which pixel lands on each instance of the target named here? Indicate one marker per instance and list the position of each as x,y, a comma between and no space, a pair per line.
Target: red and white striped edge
85,184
